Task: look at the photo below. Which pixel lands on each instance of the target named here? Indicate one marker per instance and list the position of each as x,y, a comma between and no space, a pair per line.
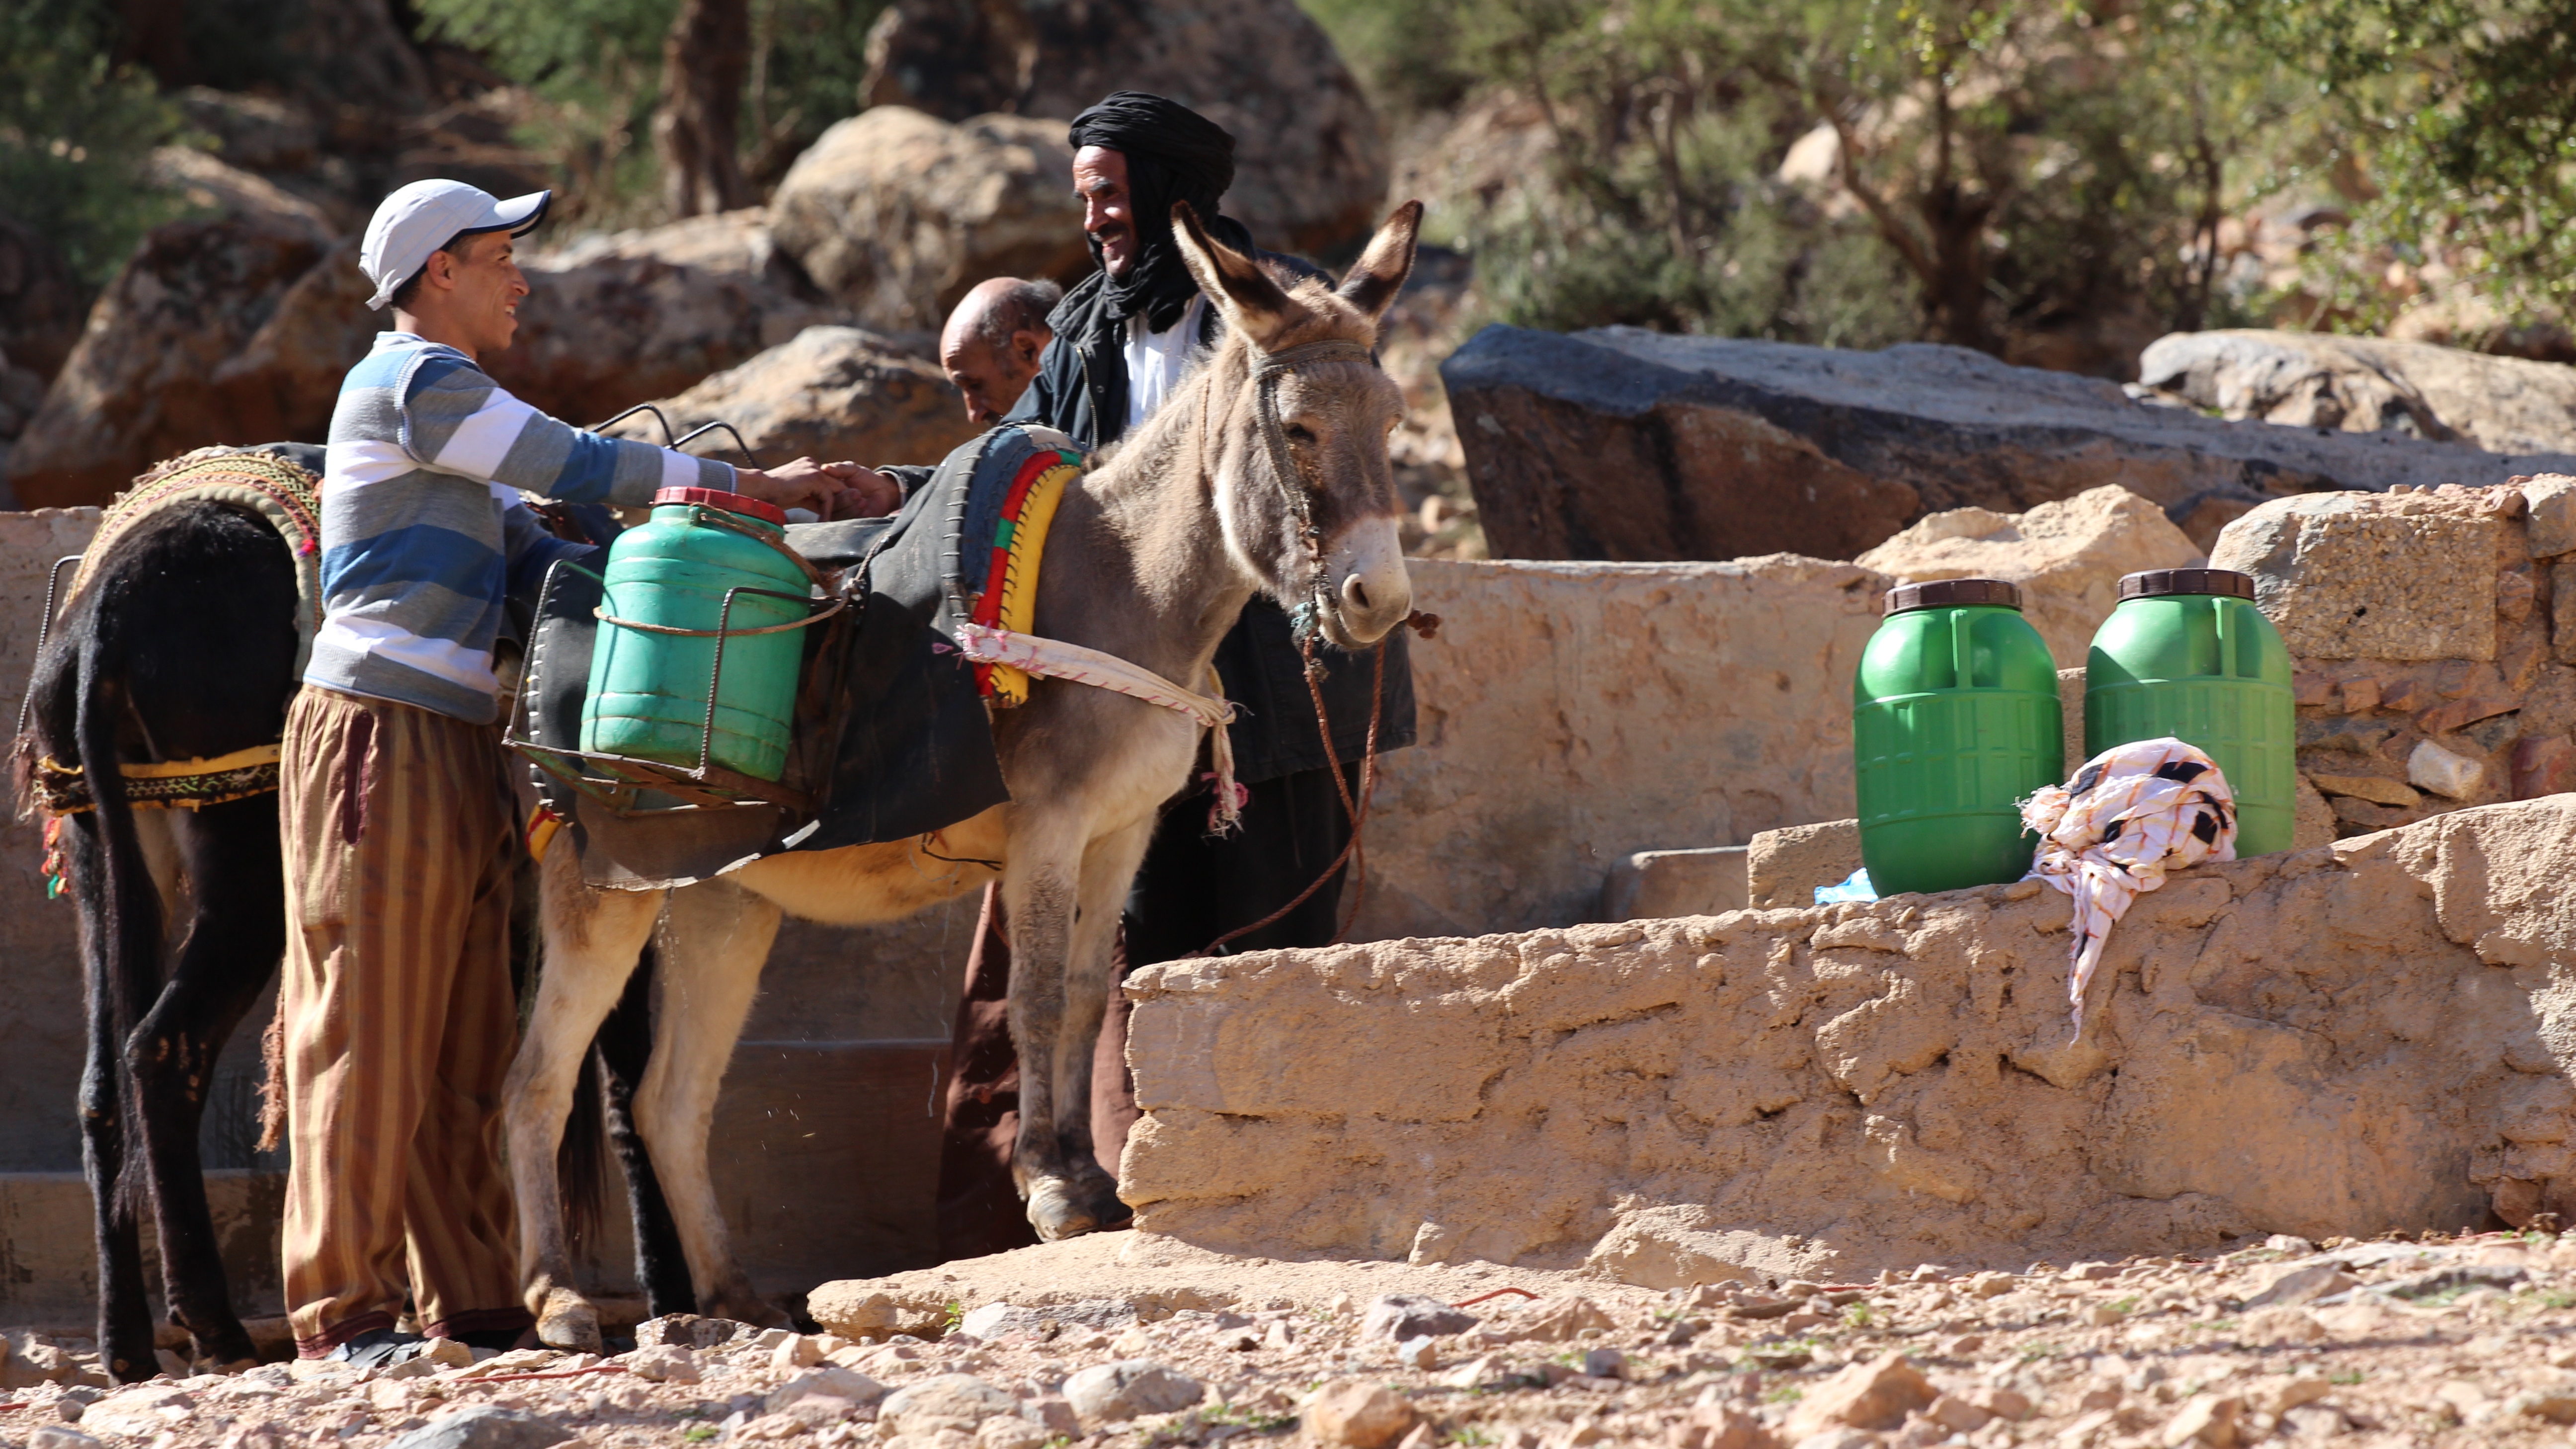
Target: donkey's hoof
1057,1210
569,1322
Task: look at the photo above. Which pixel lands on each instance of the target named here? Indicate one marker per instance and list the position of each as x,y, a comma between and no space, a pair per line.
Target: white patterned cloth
2133,813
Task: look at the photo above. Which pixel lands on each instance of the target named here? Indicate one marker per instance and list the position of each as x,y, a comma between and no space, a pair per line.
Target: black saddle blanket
892,726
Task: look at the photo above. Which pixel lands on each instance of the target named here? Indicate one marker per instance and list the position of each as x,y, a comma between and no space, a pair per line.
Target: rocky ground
2466,1341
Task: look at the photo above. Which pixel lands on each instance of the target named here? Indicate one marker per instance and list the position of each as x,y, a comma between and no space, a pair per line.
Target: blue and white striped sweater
423,532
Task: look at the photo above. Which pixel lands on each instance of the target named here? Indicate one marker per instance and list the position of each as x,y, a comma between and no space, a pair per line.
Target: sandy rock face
2370,385
1625,444
898,213
831,393
604,330
2347,577
2312,1043
2067,556
1310,158
1629,707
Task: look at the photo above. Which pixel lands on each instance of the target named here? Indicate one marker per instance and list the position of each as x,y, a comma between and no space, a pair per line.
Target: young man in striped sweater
398,1016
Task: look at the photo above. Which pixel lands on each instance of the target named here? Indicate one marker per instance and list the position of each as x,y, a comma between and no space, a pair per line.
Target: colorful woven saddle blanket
281,482
911,742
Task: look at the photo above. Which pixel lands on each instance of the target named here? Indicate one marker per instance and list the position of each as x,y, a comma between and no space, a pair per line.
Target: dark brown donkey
180,645
1266,472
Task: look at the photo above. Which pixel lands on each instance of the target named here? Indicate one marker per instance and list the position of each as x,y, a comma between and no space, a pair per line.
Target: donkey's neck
1136,562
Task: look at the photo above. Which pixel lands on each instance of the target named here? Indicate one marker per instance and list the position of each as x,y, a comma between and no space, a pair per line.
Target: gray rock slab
1620,443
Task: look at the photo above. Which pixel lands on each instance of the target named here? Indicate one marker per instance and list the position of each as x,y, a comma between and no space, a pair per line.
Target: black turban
1173,154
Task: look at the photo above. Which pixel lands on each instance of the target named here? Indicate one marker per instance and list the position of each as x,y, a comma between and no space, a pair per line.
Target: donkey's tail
120,904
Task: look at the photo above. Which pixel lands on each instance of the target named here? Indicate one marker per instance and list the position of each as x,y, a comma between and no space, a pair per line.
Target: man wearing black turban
1123,340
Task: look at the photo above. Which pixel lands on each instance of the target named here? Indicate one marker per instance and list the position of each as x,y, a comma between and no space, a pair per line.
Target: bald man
991,345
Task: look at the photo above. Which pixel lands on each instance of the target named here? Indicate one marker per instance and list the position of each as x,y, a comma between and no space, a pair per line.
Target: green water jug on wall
649,689
2187,654
1954,719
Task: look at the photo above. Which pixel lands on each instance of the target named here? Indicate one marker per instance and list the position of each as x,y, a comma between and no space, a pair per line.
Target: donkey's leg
625,1049
110,920
716,940
122,905
592,938
1108,868
232,948
1040,892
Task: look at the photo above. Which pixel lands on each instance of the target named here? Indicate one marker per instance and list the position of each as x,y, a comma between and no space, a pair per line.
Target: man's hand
802,484
871,494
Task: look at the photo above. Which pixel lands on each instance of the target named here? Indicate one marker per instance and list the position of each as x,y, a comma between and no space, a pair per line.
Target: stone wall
40,1012
2368,1036
2435,636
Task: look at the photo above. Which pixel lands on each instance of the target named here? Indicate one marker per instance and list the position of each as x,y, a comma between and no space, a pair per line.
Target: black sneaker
380,1348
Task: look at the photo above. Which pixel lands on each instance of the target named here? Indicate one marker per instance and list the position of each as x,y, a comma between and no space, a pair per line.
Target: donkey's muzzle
1372,592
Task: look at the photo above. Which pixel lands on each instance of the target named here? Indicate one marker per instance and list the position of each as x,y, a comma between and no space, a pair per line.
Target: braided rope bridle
1268,370
1306,620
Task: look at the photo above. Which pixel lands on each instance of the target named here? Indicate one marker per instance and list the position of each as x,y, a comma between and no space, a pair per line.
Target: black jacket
1081,390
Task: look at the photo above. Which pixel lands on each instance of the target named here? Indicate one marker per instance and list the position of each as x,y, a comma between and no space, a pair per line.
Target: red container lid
742,503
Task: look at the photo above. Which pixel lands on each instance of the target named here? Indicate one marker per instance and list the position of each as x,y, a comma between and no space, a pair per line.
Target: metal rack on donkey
626,784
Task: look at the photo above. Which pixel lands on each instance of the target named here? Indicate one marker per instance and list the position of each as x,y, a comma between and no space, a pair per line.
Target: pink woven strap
1055,659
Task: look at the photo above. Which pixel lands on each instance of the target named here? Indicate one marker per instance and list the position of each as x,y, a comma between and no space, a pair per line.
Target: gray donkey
1266,472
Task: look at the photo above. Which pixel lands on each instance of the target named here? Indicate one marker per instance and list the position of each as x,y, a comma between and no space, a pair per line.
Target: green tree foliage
1407,53
2455,124
1985,172
76,134
600,63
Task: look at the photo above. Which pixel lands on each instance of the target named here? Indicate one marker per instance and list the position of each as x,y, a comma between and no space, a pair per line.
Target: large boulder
609,322
606,328
1311,159
2370,385
898,213
2067,557
1618,443
831,393
138,386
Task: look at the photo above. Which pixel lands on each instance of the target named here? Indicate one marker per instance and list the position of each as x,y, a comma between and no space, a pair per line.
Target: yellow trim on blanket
237,760
1020,571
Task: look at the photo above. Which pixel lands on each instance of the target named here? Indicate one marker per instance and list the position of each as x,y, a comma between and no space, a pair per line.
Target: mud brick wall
2369,1035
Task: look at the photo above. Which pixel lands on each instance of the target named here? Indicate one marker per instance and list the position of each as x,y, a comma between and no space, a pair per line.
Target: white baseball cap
420,218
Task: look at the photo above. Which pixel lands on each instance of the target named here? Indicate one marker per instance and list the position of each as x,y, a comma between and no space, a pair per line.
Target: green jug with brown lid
1955,720
2186,654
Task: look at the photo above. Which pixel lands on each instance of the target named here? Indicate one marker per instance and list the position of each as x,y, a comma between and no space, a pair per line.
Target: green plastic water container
1954,719
2187,655
648,690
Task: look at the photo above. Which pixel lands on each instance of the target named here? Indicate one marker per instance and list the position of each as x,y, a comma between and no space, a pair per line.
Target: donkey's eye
1300,433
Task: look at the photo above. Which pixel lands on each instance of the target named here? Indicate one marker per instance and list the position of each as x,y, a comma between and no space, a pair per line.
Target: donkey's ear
1373,283
1252,302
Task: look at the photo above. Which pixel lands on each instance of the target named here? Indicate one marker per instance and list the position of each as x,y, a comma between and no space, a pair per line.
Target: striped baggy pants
399,1021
